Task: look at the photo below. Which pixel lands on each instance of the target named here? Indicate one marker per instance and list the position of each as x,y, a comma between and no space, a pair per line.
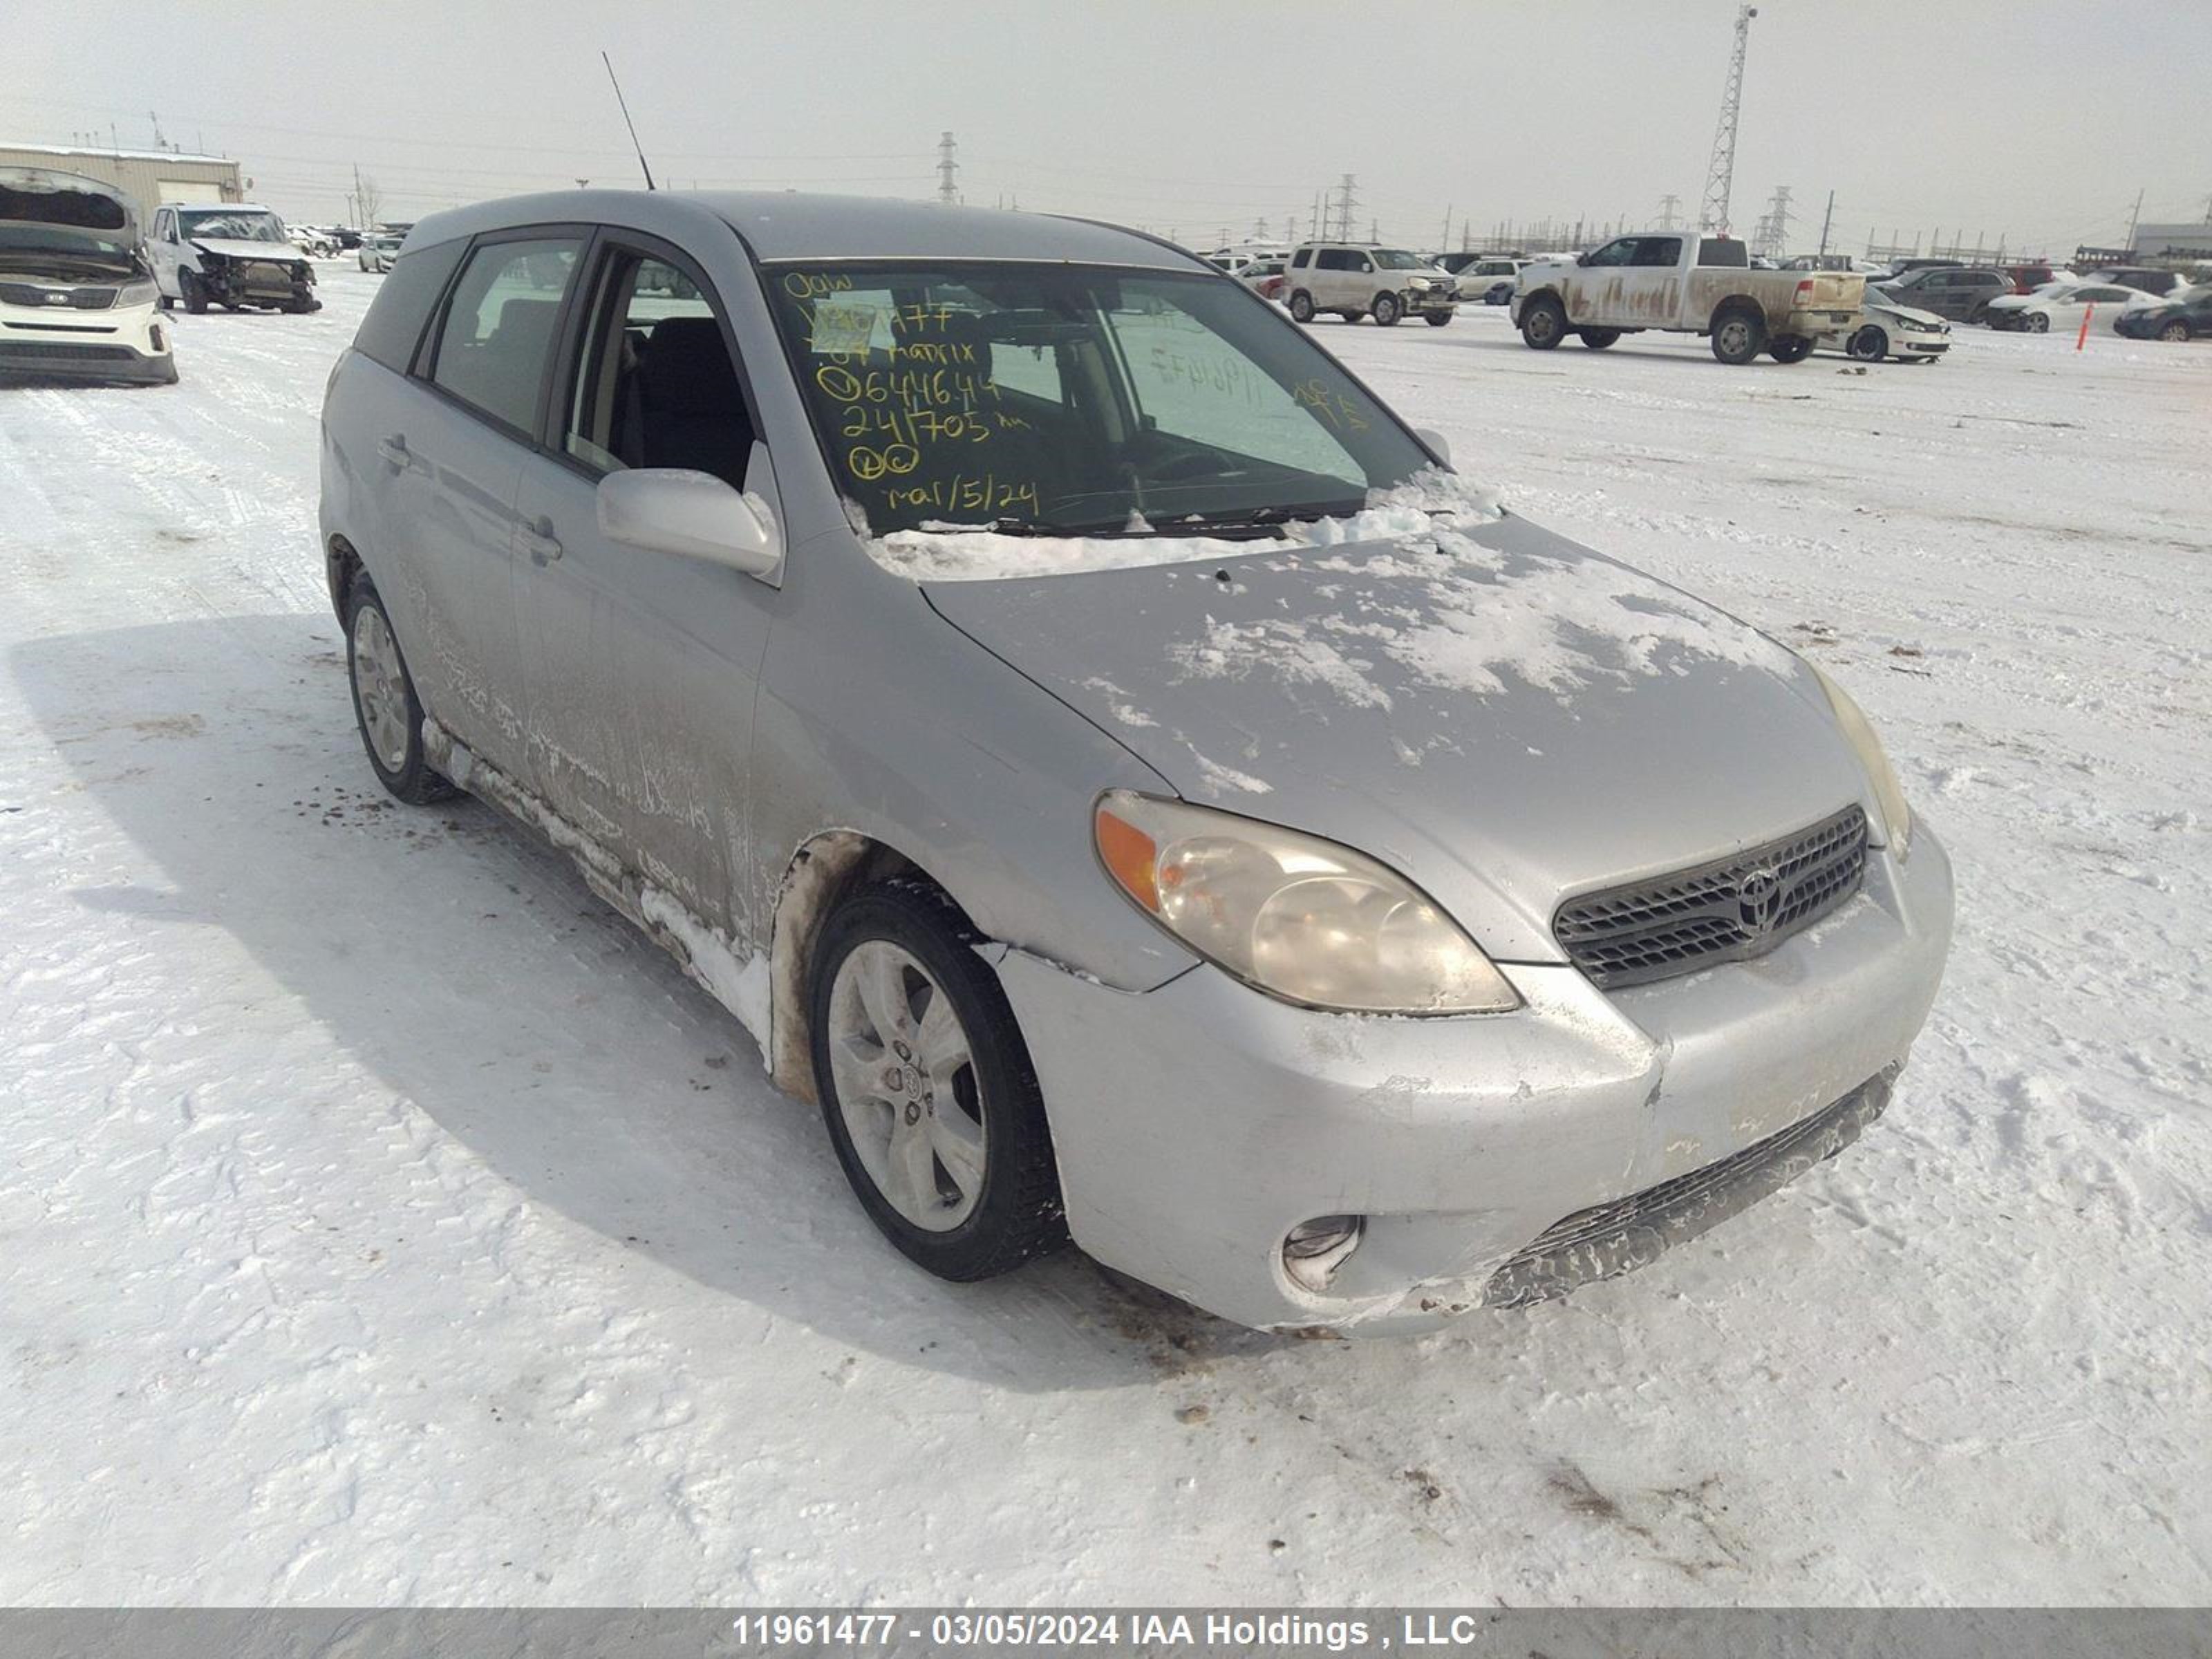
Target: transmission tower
1346,199
1774,225
1720,172
946,167
1667,206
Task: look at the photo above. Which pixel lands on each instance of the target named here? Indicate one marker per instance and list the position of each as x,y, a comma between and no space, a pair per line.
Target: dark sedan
2188,318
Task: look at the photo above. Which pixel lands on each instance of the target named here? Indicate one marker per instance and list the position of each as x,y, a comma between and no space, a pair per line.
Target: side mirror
695,514
1581,258
1435,441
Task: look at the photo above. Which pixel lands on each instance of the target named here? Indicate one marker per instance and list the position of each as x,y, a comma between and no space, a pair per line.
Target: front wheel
194,292
1385,309
1543,323
1739,337
926,1087
1597,339
1870,345
1790,348
2176,331
1302,307
384,702
2039,323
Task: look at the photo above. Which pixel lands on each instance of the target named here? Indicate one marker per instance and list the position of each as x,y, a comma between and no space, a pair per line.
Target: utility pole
946,167
1720,172
1444,240
1827,219
2135,218
1346,200
1668,203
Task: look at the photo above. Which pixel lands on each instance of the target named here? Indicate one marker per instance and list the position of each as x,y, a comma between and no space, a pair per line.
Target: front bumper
259,282
1197,1124
1420,302
2013,322
127,346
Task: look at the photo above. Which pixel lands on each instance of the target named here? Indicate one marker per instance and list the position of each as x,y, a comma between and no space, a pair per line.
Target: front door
447,459
641,665
162,251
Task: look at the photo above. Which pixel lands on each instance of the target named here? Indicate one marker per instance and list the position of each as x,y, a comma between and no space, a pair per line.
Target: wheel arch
341,563
1733,304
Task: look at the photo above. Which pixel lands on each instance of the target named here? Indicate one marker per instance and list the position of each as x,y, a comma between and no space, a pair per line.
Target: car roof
793,225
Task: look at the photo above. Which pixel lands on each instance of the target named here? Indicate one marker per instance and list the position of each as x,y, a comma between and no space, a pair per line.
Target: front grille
38,350
1610,1239
1733,908
81,299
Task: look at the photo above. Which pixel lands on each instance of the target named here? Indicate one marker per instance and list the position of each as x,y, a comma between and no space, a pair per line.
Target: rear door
444,459
642,666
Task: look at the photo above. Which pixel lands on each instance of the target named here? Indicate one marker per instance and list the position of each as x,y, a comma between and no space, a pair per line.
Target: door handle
394,450
539,541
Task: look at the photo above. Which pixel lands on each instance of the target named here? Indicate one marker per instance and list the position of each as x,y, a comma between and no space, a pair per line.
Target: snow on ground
384,1221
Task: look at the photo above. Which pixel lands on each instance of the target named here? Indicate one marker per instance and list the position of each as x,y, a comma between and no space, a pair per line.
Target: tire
1739,336
2176,332
1438,319
1351,316
1870,345
1597,339
385,706
1301,309
163,302
2038,322
192,292
1790,348
1980,314
885,949
1543,323
1386,311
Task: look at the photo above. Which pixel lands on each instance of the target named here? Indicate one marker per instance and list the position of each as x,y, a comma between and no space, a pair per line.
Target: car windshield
1396,259
229,224
1037,397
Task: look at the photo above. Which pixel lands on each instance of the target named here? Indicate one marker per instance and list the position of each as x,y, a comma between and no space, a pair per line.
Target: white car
77,297
2062,306
236,255
1484,280
1355,281
1888,330
378,249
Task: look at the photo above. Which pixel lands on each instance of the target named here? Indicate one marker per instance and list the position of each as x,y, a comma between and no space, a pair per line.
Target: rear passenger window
498,331
393,327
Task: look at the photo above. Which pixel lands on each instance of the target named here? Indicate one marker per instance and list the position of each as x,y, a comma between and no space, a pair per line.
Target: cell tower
1720,172
946,167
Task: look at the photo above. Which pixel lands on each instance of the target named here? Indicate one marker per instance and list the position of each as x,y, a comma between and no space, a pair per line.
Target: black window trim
423,366
569,339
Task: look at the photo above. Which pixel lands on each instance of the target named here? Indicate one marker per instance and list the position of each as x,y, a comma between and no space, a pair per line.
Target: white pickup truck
1686,283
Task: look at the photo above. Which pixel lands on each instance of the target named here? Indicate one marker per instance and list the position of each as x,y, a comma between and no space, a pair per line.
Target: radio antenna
627,122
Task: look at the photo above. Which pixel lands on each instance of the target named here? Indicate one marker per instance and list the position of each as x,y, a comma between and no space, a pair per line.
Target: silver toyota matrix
1107,759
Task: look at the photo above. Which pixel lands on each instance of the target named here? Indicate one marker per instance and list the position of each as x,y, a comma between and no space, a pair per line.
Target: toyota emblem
1757,897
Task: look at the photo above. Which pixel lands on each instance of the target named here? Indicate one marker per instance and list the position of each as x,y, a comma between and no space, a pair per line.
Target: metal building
2175,242
150,176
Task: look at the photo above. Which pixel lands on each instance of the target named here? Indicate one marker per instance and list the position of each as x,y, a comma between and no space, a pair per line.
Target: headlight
1896,815
142,292
1299,917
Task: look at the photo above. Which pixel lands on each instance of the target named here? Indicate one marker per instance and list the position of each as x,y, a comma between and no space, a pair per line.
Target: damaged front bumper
1491,1160
286,284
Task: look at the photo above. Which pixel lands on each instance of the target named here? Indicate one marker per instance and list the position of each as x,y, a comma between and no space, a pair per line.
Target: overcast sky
2023,118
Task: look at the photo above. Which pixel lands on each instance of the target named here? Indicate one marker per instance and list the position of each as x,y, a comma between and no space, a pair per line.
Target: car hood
2020,302
237,247
1910,314
67,201
1504,716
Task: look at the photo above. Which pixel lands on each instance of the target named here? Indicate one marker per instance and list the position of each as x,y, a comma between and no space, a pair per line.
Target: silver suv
1356,281
1106,758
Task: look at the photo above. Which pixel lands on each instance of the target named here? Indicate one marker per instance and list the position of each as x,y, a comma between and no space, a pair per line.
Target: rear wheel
1301,309
1738,337
926,1087
1597,339
1790,349
1870,345
1438,319
1386,310
384,702
1543,323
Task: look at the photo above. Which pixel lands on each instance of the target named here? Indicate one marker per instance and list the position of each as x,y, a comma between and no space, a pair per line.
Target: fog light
1315,1249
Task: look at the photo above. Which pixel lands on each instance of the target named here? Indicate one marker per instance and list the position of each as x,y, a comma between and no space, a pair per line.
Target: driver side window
1620,252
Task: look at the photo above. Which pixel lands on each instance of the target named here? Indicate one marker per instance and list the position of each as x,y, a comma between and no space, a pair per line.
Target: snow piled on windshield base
975,553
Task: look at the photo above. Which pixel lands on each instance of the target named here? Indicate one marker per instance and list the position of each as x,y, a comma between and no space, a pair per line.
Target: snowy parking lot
384,1221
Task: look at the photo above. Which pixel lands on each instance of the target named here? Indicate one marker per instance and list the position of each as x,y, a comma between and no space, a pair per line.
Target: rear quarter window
393,326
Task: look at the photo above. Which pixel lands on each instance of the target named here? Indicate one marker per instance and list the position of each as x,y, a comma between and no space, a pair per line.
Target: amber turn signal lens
1130,857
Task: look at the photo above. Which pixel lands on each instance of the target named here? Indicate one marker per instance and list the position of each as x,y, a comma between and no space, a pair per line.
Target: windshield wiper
1260,517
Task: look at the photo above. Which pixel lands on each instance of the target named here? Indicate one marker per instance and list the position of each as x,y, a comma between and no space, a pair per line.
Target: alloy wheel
381,685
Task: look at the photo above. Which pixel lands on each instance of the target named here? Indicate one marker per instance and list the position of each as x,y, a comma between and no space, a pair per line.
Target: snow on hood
235,247
1501,714
972,553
